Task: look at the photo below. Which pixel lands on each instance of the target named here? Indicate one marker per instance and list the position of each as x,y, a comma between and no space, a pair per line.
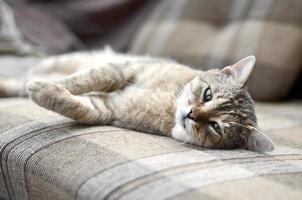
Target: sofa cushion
16,54
46,156
218,33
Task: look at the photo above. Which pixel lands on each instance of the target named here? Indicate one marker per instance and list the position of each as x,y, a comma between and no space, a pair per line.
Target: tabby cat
210,109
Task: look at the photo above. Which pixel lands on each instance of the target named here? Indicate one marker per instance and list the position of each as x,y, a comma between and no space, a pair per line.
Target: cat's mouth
185,117
184,121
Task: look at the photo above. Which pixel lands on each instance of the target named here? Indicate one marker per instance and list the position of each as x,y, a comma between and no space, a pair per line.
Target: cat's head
216,111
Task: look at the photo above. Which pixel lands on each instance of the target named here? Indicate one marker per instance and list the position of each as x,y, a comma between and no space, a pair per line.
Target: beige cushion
217,33
46,156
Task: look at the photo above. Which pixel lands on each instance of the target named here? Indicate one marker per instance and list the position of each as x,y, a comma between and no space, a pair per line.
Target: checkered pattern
217,33
46,156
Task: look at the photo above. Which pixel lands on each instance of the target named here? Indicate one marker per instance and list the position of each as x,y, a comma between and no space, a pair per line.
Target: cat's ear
241,70
259,142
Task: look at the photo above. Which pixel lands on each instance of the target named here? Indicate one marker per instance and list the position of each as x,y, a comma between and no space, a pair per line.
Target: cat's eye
207,95
216,127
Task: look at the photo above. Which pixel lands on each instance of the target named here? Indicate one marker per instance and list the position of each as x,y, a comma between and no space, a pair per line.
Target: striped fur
150,95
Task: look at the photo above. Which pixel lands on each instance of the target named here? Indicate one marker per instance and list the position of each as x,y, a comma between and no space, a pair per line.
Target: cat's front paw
44,92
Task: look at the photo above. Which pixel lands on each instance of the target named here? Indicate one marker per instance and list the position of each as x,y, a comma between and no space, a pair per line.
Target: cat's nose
191,115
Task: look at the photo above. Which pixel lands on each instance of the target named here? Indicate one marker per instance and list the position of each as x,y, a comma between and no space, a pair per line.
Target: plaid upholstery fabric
46,156
217,33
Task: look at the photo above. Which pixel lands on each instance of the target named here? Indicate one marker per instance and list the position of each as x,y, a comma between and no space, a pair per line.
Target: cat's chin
179,133
179,130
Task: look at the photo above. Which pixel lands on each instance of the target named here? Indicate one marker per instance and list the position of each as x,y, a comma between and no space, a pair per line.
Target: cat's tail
12,87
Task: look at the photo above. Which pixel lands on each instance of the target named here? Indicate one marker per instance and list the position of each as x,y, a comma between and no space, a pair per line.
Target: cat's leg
107,78
60,95
67,64
55,97
63,65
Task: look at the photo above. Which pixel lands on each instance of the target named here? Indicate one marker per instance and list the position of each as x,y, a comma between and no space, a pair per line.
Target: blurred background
200,33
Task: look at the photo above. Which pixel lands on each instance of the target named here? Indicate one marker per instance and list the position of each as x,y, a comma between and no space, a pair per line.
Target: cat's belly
144,110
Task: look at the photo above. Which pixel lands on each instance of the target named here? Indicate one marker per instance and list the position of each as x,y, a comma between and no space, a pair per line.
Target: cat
211,109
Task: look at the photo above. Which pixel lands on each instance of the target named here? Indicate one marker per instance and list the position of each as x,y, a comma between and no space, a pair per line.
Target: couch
46,156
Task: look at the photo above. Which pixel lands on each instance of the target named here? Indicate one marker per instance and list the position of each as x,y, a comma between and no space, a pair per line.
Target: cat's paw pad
45,92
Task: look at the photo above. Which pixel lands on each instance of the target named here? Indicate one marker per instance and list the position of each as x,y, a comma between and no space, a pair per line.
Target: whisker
248,127
256,129
178,91
189,127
